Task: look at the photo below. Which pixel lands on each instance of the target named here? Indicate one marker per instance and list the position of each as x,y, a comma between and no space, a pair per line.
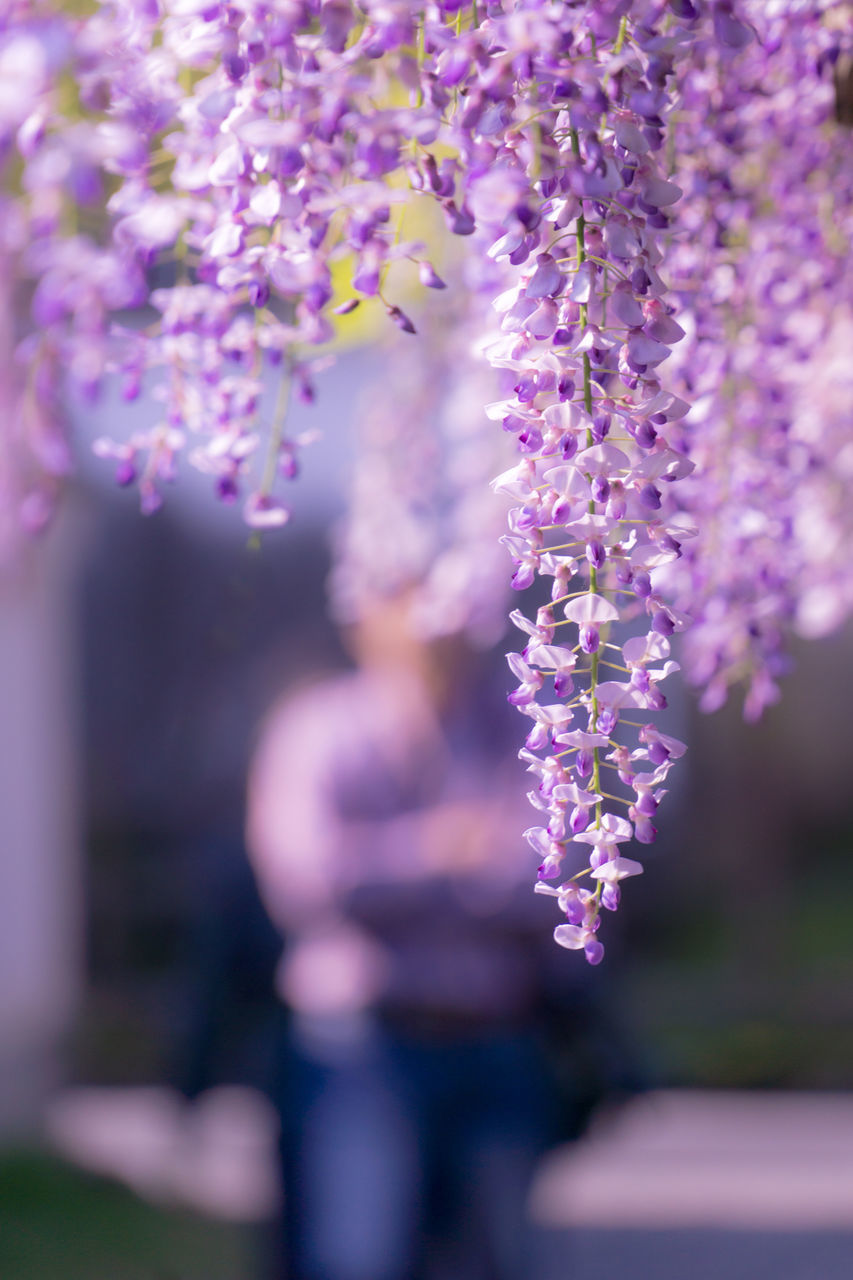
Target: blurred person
416,1091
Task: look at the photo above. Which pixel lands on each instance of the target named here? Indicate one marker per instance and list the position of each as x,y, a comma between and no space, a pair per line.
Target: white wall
41,954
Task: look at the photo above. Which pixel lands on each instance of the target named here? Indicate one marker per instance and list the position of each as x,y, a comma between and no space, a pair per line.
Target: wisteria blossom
760,262
638,250
575,209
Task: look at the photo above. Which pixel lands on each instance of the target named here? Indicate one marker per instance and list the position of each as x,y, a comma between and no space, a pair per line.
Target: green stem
277,433
593,572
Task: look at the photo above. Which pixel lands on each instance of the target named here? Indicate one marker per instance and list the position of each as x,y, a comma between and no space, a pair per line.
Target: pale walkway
686,1185
677,1185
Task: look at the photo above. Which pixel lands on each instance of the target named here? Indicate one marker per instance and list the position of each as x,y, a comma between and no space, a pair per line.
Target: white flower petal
591,608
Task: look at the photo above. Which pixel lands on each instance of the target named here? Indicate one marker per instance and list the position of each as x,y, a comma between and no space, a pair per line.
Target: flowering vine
195,193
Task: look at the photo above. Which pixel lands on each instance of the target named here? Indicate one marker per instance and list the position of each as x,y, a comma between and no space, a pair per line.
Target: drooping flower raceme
571,201
244,154
760,262
52,259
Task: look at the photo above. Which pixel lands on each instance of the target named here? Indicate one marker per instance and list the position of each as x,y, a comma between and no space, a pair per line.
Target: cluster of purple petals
61,280
822,513
240,151
760,262
560,124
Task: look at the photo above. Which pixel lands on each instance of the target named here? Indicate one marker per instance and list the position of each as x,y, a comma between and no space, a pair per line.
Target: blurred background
138,1014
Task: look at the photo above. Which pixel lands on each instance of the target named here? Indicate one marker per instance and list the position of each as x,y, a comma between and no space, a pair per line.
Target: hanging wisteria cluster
647,207
761,268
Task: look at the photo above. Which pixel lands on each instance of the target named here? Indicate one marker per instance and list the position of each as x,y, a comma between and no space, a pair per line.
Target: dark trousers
405,1156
